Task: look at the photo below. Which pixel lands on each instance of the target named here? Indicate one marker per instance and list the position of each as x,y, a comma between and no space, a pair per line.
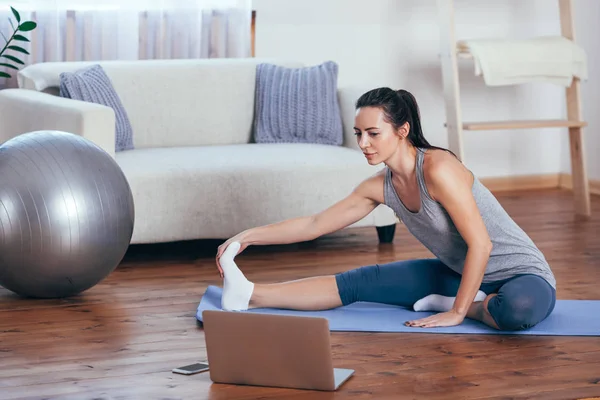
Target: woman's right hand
240,237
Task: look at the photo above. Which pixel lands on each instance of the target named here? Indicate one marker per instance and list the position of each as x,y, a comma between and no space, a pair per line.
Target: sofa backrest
187,102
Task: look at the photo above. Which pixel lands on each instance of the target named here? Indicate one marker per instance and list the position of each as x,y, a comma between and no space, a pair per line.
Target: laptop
270,350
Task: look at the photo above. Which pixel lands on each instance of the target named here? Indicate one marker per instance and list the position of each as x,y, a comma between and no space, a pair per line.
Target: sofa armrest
347,97
24,110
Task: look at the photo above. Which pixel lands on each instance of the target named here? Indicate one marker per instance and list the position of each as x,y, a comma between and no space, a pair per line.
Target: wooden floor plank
121,338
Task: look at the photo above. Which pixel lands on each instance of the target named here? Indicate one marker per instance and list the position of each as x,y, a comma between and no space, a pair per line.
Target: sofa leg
386,233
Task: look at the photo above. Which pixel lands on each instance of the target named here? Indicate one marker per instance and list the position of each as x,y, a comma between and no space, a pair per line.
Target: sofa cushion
188,191
297,105
92,85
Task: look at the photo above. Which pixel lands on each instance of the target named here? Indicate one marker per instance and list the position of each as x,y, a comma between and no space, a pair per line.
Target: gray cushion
94,86
297,105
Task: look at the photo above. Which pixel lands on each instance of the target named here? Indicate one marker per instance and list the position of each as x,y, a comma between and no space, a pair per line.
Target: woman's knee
522,305
515,313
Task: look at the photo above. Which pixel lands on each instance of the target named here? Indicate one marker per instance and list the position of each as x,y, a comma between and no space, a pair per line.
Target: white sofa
195,172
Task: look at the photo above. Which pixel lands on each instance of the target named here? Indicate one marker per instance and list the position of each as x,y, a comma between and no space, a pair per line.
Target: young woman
485,266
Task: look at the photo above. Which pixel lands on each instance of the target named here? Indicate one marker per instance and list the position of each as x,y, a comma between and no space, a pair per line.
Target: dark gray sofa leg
386,233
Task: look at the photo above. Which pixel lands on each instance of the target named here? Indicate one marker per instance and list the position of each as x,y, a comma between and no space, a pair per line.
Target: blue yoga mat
569,318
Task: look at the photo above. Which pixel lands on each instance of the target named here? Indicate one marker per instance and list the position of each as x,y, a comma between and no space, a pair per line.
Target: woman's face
377,138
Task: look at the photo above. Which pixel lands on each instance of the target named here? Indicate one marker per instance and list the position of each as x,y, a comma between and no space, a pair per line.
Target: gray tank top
513,251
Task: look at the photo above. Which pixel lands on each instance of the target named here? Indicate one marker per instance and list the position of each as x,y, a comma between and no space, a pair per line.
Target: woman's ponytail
415,134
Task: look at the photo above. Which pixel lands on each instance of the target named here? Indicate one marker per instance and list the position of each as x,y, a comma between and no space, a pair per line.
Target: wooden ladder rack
451,51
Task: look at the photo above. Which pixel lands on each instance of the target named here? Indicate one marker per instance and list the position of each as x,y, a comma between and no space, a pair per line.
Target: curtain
90,30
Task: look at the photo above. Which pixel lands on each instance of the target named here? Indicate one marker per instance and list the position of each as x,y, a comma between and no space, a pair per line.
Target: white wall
587,34
396,43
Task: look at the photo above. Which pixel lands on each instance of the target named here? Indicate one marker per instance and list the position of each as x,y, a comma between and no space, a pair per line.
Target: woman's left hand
449,318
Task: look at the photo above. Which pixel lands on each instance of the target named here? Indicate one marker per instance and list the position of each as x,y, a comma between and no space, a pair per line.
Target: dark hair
399,107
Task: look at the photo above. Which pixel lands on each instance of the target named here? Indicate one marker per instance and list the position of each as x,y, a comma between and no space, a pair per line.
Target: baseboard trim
566,182
534,182
522,182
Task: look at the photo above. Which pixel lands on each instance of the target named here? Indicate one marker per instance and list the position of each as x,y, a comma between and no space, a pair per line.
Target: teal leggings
521,302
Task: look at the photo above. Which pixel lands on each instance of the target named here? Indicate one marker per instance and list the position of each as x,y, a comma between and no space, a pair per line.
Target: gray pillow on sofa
93,85
297,105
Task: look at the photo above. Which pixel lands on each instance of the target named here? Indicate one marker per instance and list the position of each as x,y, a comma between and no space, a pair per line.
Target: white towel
553,59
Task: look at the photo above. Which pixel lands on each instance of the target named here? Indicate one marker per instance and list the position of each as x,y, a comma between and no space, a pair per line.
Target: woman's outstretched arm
358,204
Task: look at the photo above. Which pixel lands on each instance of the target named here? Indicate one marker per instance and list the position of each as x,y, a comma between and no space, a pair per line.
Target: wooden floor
120,339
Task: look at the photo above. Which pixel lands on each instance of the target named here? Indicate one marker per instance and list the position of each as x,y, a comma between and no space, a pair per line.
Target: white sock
237,290
439,303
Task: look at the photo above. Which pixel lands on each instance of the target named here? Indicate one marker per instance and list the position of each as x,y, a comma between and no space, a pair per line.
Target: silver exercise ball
66,214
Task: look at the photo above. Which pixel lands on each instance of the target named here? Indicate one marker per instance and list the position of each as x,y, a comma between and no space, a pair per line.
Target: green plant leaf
4,75
16,14
27,26
21,38
8,66
18,48
14,59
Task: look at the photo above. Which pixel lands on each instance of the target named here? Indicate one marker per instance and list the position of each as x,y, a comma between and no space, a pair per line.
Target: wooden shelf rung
528,124
463,52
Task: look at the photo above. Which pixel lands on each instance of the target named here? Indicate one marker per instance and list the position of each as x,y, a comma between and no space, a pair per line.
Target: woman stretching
485,267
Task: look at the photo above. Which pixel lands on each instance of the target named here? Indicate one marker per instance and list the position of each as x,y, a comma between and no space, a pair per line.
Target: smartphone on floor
192,368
